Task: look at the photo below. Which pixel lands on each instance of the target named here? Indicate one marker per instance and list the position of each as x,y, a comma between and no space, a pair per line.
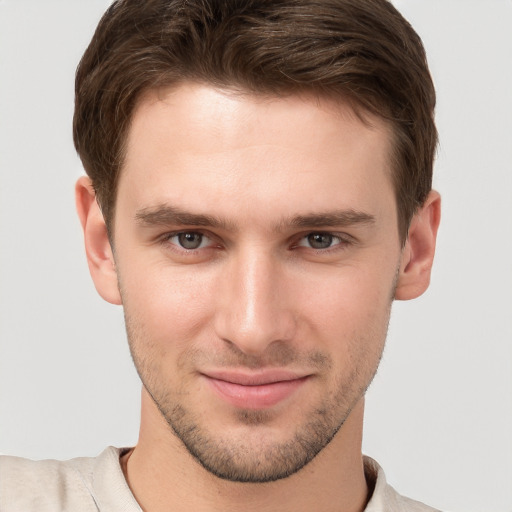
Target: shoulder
384,497
27,485
51,485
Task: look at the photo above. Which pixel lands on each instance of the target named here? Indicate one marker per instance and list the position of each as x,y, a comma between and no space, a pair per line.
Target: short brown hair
361,51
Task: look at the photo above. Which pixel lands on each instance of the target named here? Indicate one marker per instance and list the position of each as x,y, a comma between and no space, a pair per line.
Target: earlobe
100,257
418,253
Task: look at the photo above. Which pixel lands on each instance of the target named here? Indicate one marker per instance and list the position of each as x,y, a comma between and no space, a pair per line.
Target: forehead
204,108
230,148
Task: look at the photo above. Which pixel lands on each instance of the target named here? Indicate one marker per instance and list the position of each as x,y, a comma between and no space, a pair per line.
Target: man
258,193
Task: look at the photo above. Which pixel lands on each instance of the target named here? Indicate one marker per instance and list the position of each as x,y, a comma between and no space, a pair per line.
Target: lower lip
255,397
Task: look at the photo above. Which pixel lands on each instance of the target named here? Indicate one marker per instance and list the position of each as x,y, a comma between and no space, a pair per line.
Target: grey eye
190,240
320,240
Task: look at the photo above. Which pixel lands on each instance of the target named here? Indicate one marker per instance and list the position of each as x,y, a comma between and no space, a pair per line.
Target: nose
254,308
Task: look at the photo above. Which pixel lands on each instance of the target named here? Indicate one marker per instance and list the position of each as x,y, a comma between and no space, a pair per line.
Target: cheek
173,307
349,314
169,304
350,296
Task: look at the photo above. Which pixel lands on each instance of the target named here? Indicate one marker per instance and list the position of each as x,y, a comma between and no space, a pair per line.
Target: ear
99,253
418,253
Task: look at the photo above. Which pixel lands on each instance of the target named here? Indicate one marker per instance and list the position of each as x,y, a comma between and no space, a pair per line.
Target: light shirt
97,484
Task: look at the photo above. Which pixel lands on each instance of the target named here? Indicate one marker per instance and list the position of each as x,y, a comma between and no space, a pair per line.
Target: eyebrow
166,215
340,218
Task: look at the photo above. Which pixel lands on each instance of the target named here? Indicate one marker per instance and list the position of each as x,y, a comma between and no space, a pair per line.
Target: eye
320,240
189,240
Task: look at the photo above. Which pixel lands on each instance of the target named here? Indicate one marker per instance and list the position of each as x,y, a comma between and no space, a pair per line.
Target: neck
164,476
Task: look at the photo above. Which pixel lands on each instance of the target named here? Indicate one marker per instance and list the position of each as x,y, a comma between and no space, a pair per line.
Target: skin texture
291,262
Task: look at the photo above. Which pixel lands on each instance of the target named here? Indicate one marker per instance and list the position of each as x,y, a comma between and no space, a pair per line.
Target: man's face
257,249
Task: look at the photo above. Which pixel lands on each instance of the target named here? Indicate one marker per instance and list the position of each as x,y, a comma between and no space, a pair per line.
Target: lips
254,390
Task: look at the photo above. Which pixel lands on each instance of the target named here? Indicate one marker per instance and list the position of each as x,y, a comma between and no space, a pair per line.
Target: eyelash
338,242
342,241
166,240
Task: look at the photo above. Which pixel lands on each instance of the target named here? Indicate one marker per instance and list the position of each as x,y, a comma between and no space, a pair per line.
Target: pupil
320,241
190,240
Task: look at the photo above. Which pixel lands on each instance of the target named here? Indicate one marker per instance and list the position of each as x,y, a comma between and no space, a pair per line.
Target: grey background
439,414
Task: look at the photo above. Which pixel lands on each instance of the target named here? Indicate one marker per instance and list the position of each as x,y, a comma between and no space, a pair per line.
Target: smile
254,391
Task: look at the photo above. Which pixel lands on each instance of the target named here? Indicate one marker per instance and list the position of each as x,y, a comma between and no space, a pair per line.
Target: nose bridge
254,309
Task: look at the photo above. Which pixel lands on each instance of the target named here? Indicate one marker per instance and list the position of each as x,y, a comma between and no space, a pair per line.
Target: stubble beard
254,458
244,459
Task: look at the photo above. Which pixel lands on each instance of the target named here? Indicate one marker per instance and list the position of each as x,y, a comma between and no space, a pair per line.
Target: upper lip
258,378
